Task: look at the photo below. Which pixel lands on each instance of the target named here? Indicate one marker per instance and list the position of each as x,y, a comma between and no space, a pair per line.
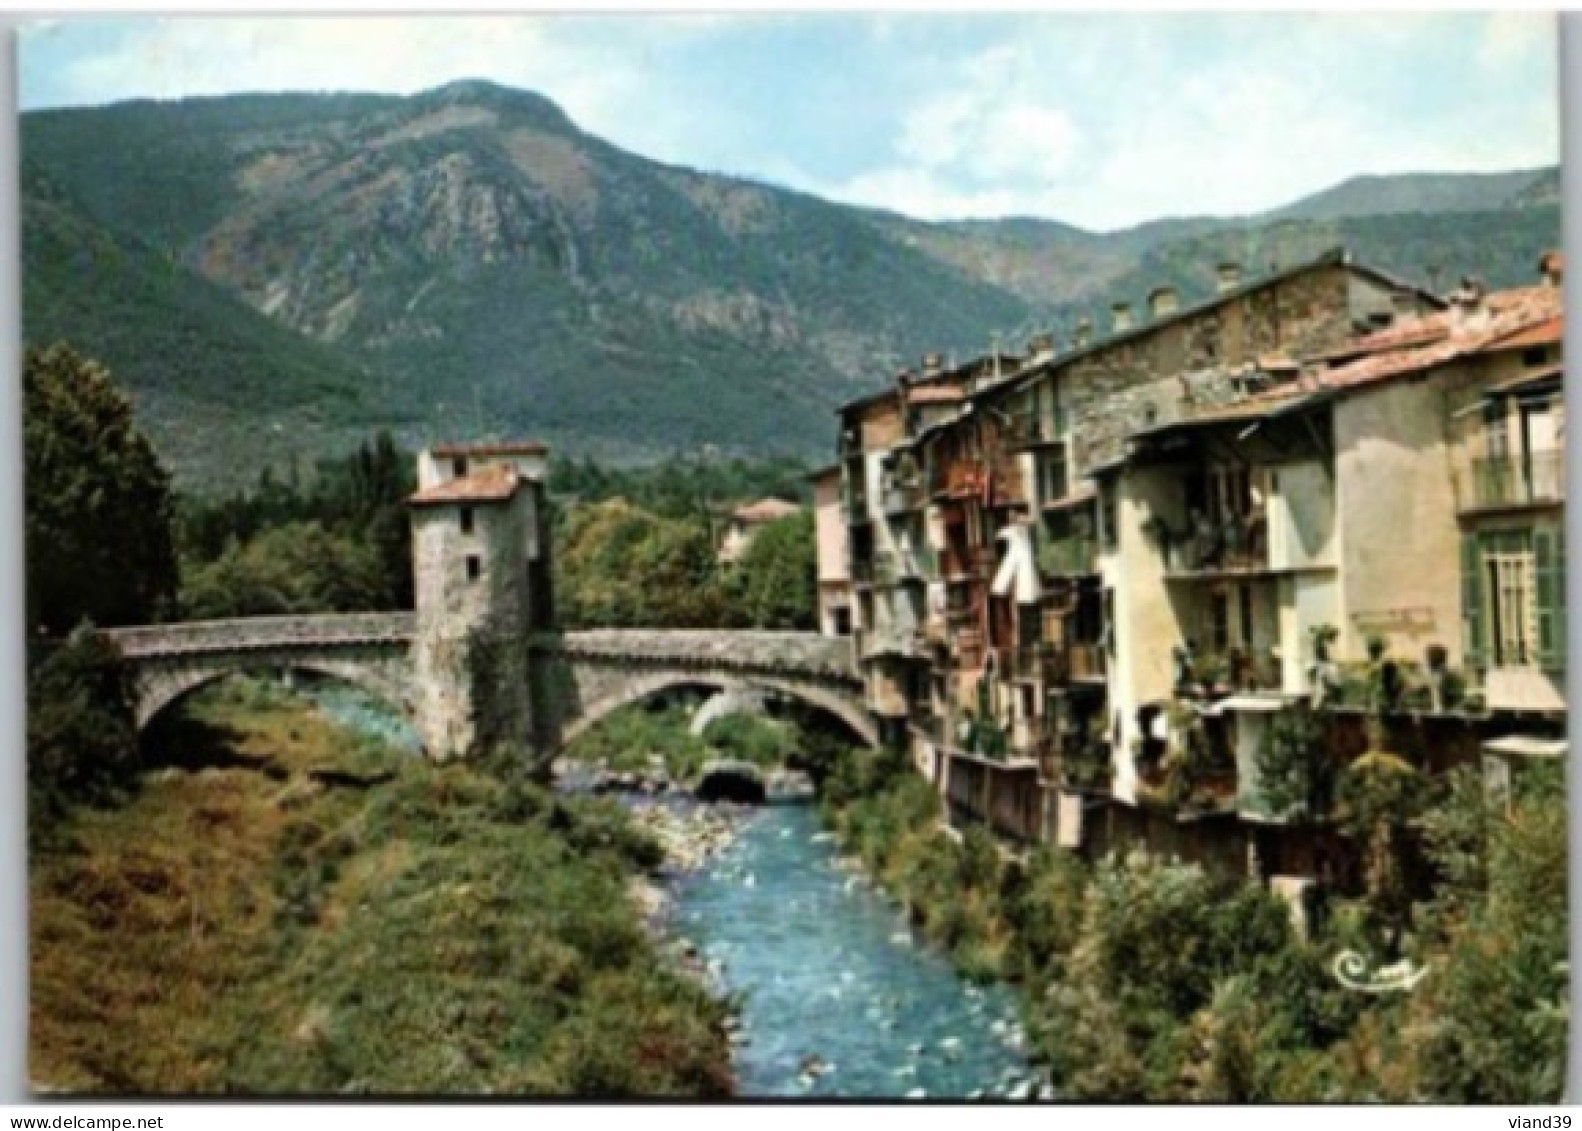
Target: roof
1528,745
491,448
765,510
936,394
1335,257
1264,406
830,472
1515,316
1545,333
493,484
1521,382
957,373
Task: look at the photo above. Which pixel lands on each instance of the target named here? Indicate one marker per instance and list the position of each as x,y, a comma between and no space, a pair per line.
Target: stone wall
474,612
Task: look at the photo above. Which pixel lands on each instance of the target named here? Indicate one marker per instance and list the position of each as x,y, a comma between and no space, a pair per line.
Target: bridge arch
168,685
649,684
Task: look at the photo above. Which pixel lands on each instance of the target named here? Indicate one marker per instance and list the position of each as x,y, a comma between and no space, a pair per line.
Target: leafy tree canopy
98,501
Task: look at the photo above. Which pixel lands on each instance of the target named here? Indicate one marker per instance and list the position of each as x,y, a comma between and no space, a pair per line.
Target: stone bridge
575,678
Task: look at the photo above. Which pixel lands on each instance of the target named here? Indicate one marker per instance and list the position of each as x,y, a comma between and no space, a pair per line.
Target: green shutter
1472,600
1549,557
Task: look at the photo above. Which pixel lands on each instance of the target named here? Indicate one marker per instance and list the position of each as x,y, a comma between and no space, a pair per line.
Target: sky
1103,121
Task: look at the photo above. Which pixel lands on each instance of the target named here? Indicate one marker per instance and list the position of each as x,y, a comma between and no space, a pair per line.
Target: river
839,997
829,969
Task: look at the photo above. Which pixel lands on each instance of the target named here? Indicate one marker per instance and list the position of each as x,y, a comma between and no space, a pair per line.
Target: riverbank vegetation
643,740
283,907
1149,981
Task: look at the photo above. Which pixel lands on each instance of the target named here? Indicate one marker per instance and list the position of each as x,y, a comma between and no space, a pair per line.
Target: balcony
1234,545
1027,429
969,649
962,479
905,643
892,567
1027,737
1085,662
1068,557
1512,481
1236,671
902,498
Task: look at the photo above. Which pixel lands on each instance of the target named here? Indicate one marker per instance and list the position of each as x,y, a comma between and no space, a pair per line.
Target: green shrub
81,727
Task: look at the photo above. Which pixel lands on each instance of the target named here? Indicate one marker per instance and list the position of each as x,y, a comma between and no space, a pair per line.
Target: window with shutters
1513,620
1514,598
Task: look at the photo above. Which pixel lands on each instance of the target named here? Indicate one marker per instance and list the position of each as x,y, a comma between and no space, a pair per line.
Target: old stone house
745,523
1195,499
829,532
479,513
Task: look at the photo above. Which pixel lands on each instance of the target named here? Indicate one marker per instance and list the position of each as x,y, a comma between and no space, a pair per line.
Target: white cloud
1104,122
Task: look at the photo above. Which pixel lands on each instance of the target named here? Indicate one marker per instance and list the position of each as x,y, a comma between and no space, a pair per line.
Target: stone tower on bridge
480,555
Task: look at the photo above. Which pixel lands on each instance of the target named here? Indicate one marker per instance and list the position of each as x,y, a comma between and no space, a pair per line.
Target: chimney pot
1083,333
1228,276
1041,345
1121,312
1553,268
933,363
1163,301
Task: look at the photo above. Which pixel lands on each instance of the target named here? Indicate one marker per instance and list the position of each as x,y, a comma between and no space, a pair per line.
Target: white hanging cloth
1018,573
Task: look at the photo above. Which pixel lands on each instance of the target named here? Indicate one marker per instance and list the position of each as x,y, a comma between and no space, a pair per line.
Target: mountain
217,384
468,261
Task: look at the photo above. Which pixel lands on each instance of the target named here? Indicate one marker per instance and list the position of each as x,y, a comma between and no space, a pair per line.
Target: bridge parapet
769,651
191,638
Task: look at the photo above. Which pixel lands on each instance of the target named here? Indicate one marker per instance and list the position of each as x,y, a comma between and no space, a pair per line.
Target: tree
777,575
98,501
81,728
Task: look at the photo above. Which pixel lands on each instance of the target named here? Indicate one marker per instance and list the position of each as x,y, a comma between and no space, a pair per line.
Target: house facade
1086,557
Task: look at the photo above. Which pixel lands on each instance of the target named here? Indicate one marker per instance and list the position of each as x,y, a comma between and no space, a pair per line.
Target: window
474,567
1219,622
1513,610
1051,478
1109,520
1244,593
459,466
1535,357
466,520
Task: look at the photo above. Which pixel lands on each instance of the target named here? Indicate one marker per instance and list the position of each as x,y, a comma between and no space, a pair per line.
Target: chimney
1228,276
1469,314
1553,268
933,364
1122,314
1163,302
1040,347
903,379
1084,333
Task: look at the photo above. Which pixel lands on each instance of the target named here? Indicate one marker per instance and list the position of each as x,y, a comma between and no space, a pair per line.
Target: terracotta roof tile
1545,333
1515,315
493,484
